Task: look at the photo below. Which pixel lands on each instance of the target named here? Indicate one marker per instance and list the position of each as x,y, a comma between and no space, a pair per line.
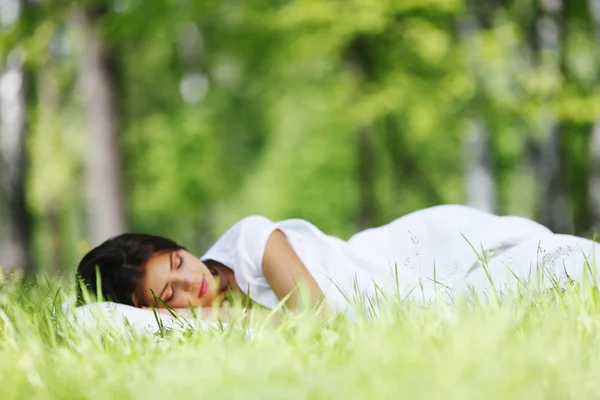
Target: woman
440,251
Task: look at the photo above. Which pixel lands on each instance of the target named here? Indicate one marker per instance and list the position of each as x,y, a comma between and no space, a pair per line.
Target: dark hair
120,262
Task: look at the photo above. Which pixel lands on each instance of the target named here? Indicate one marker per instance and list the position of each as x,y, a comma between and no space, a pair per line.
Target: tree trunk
555,212
594,6
594,177
103,171
15,224
555,205
358,62
366,180
407,165
480,185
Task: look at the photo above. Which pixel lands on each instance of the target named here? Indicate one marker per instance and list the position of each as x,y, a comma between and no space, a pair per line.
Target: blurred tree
15,222
104,186
346,113
480,184
358,63
14,252
594,177
555,211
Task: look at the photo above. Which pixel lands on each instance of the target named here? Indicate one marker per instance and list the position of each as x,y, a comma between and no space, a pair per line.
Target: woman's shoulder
247,235
247,229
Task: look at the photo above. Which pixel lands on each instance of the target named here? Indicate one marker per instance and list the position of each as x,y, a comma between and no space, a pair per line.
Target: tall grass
531,345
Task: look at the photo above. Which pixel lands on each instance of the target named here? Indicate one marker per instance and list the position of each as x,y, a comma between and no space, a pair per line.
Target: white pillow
122,316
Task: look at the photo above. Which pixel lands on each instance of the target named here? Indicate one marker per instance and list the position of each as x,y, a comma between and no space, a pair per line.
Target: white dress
433,252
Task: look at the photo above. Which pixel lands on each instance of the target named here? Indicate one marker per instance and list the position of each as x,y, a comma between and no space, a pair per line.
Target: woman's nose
186,282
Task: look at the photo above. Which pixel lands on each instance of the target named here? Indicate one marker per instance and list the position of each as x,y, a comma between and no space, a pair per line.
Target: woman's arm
286,273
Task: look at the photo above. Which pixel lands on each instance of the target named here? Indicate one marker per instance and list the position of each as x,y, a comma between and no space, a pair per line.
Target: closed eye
179,265
171,295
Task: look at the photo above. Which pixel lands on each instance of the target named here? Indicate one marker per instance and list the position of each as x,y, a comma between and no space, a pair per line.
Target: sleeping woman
433,253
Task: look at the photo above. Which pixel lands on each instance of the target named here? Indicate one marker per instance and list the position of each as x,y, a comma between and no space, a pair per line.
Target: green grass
541,346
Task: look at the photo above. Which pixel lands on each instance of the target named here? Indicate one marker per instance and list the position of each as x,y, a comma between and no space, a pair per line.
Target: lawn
528,346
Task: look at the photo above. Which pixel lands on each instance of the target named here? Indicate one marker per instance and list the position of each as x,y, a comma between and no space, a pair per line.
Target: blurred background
179,117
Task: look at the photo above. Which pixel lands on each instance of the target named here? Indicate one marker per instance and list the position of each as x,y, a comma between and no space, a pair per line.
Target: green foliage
283,90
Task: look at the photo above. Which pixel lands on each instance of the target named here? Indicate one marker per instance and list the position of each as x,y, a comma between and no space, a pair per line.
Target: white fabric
123,318
420,254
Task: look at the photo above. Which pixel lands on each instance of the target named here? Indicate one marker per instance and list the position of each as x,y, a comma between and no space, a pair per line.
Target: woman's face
181,281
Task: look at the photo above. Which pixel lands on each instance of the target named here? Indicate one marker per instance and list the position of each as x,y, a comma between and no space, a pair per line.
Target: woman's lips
203,287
